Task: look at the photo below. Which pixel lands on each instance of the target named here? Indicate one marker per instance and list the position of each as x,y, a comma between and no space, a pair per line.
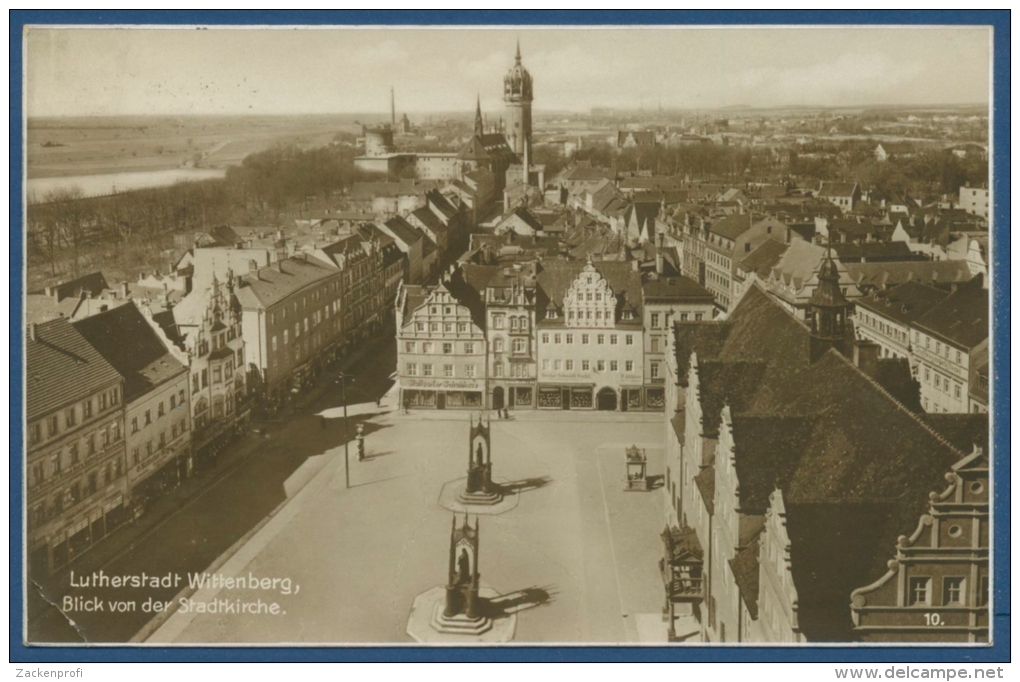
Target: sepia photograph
481,336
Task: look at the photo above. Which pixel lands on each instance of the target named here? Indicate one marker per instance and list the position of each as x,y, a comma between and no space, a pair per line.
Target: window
448,328
409,346
148,417
51,425
629,366
698,317
419,326
654,368
86,409
274,343
519,346
497,345
600,365
584,339
205,372
35,434
545,364
983,591
427,347
426,369
570,339
545,338
469,371
569,365
497,369
556,338
557,364
469,348
447,370
148,448
614,366
919,592
194,379
655,346
70,417
447,348
600,339
629,339
952,591
160,410
297,329
462,327
655,320
412,369
497,321
585,365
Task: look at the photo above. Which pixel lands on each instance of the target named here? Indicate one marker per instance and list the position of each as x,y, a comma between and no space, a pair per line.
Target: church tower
518,94
829,312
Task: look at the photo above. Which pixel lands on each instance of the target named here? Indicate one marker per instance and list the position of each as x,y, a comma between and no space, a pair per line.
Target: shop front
441,394
514,396
64,540
566,397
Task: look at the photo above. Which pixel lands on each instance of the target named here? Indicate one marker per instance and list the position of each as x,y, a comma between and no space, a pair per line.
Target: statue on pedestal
479,488
462,586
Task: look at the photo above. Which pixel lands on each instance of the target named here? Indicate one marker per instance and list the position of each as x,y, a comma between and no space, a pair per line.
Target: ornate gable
590,301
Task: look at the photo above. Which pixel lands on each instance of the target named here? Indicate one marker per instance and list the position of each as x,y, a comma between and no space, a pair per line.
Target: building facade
441,349
76,478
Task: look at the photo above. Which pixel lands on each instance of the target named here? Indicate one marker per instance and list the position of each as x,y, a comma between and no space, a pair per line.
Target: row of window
175,402
883,327
105,400
586,365
447,348
518,322
315,296
178,428
600,339
76,492
221,372
447,327
58,459
954,591
942,383
940,349
428,370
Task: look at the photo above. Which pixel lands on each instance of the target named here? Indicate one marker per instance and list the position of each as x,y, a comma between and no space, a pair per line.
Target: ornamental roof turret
517,84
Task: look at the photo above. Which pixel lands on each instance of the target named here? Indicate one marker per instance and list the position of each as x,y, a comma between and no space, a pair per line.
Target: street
187,534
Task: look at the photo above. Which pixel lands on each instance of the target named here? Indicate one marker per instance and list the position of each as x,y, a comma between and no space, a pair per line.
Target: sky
79,72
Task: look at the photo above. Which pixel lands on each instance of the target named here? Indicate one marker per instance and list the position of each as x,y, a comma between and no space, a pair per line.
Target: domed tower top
517,84
829,311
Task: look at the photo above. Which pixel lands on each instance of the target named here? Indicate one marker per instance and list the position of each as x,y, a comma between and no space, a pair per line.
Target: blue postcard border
999,651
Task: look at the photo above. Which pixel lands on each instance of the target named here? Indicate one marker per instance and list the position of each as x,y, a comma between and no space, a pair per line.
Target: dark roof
875,251
404,231
961,317
124,338
837,189
764,258
525,216
964,430
732,226
677,288
93,283
62,367
430,220
486,147
903,303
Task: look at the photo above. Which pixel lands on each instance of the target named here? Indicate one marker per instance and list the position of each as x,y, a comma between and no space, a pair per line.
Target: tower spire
479,128
518,57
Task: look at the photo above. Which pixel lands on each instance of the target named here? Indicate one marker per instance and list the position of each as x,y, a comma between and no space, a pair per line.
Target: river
111,183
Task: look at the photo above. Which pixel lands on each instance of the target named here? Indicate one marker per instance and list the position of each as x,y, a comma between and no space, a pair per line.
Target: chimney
253,265
866,357
32,331
659,262
124,289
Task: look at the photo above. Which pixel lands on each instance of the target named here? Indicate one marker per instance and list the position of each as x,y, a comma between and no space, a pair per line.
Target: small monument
637,469
460,613
479,488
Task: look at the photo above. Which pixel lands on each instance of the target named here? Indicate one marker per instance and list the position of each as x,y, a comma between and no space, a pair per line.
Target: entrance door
624,398
440,400
497,398
606,400
566,399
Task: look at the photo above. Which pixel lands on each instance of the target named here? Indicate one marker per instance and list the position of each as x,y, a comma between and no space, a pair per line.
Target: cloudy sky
284,71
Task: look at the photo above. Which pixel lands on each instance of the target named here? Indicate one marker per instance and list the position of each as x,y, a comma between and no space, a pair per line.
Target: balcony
681,588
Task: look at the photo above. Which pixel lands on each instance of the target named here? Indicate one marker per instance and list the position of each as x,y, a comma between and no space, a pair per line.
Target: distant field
59,147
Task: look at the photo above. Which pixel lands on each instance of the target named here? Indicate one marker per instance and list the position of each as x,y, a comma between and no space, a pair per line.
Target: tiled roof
961,317
764,258
875,251
62,367
732,226
903,303
93,283
889,274
837,189
677,288
271,285
404,231
125,339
